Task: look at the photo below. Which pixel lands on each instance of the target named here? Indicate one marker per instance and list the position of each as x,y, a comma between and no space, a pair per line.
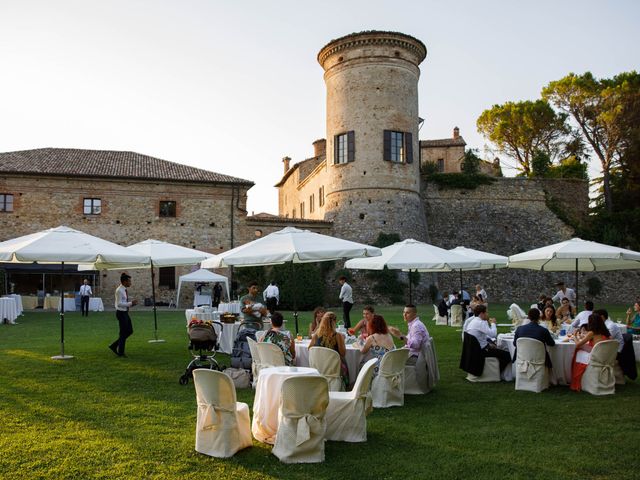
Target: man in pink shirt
417,335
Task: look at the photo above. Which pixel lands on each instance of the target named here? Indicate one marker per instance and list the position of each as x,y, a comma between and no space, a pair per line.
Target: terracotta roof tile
106,163
444,142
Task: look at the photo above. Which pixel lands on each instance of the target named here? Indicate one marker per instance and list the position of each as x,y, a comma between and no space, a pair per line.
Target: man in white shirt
123,304
346,295
583,317
613,328
484,329
271,296
565,292
85,295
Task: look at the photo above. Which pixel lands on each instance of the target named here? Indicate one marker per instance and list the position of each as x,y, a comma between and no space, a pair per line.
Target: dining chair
301,431
439,319
327,362
347,411
222,427
387,388
531,372
255,361
270,355
420,378
456,315
479,368
599,378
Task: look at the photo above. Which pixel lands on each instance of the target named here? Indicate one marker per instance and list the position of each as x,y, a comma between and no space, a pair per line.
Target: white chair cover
440,320
327,362
302,426
456,315
255,361
347,411
516,314
270,355
223,424
599,378
491,372
531,373
387,388
423,376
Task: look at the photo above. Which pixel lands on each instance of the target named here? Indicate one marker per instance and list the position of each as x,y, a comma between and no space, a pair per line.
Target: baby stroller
203,339
241,354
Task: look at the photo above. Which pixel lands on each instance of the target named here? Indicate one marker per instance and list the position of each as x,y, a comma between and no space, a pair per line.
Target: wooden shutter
387,146
335,149
408,146
351,146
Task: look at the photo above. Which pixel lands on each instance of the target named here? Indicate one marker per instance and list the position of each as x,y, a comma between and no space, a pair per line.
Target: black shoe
114,349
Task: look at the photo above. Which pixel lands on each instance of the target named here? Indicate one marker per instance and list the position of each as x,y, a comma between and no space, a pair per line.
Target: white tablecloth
353,358
69,304
233,307
18,299
229,333
201,300
561,358
95,304
8,310
267,400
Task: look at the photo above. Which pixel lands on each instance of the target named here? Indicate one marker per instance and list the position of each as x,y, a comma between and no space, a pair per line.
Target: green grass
99,416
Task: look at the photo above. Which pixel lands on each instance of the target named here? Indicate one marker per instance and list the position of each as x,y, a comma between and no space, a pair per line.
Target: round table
8,310
266,403
353,358
18,299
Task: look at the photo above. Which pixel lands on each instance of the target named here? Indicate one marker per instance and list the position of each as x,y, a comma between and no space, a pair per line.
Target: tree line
577,120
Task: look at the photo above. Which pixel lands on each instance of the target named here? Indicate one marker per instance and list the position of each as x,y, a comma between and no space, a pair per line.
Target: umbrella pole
295,296
460,284
576,284
62,356
155,315
410,289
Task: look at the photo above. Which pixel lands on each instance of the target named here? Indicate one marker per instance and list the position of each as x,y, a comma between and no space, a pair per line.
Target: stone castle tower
372,172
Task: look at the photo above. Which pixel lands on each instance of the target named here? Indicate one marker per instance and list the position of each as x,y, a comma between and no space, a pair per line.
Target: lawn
99,416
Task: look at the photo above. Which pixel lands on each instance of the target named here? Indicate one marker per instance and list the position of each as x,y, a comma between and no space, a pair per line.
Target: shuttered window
398,146
6,202
344,146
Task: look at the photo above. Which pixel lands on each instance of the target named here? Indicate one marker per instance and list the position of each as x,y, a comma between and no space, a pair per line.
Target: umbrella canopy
202,276
487,260
62,245
413,255
576,254
164,254
290,245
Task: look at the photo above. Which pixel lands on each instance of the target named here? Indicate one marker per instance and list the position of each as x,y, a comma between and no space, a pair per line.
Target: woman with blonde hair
326,336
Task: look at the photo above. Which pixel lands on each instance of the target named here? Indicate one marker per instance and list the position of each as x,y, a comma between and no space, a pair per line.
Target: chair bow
210,418
529,367
306,425
606,375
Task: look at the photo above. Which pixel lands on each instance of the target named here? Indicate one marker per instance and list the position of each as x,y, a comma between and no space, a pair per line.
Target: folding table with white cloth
18,300
266,403
8,310
96,305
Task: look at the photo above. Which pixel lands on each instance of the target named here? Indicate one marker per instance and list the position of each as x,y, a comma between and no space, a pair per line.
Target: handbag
239,376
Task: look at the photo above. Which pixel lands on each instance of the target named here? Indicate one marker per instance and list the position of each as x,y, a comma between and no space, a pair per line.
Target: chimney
286,161
319,147
456,132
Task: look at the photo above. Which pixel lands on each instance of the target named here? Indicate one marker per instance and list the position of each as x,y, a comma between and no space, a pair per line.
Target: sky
234,86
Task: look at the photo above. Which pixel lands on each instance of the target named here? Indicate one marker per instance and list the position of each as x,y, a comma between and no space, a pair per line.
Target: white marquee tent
202,276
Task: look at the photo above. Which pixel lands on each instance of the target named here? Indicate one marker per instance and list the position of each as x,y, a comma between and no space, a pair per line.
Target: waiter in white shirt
346,295
122,314
85,295
565,292
583,317
271,296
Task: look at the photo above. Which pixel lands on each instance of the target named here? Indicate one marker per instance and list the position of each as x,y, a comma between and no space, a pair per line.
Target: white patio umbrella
162,254
290,245
488,261
414,256
62,245
576,255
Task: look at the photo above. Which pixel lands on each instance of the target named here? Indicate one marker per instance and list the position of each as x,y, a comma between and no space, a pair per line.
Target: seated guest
326,336
548,319
614,329
318,312
596,331
583,317
470,319
565,312
456,299
379,341
364,324
475,300
542,298
633,323
535,331
417,334
484,329
281,338
480,292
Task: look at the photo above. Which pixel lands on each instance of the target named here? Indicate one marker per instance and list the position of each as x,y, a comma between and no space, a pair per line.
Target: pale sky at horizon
233,87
